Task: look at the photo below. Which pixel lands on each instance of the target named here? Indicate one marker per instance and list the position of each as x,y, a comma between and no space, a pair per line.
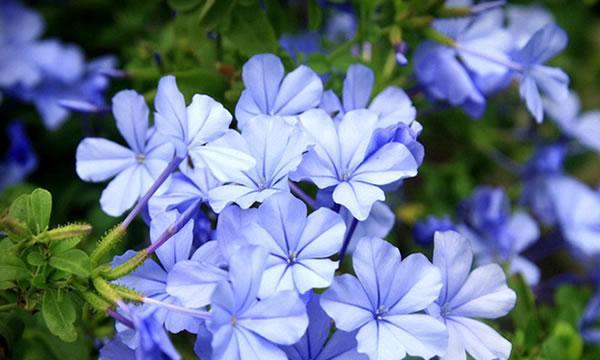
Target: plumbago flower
150,279
347,156
134,169
537,78
316,344
577,210
142,338
277,147
200,132
193,281
496,235
244,327
383,303
583,127
268,92
392,105
20,160
298,246
184,191
482,293
459,74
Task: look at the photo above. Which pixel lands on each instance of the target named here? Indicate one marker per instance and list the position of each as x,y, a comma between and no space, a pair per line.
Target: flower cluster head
53,76
248,289
480,55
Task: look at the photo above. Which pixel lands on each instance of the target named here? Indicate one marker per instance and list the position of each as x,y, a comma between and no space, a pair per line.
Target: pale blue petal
131,114
347,303
453,256
300,90
207,120
280,318
124,190
171,114
484,294
358,197
393,106
179,246
99,159
193,282
358,85
479,339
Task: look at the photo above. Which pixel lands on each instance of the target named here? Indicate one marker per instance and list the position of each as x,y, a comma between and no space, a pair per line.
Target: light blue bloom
278,148
344,158
424,229
200,131
20,28
583,127
546,163
150,279
20,160
147,338
384,303
481,293
134,169
193,281
577,209
298,246
392,105
245,327
189,189
268,92
473,68
525,20
537,79
379,223
54,97
301,44
341,26
496,235
316,343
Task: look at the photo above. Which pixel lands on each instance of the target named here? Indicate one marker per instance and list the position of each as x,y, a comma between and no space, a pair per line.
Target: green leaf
251,32
74,261
33,210
58,311
215,12
64,245
184,5
13,268
36,258
564,343
315,15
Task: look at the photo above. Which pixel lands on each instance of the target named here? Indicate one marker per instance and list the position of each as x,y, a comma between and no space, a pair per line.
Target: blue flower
19,29
588,324
344,158
392,105
424,229
200,131
481,293
193,281
277,147
577,211
245,327
496,235
474,67
147,337
341,26
583,127
537,78
384,303
379,223
298,246
301,44
525,20
54,98
268,92
186,190
546,163
135,168
316,343
150,279
20,160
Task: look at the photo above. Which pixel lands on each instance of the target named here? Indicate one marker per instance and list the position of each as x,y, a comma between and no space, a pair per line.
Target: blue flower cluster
51,75
248,290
